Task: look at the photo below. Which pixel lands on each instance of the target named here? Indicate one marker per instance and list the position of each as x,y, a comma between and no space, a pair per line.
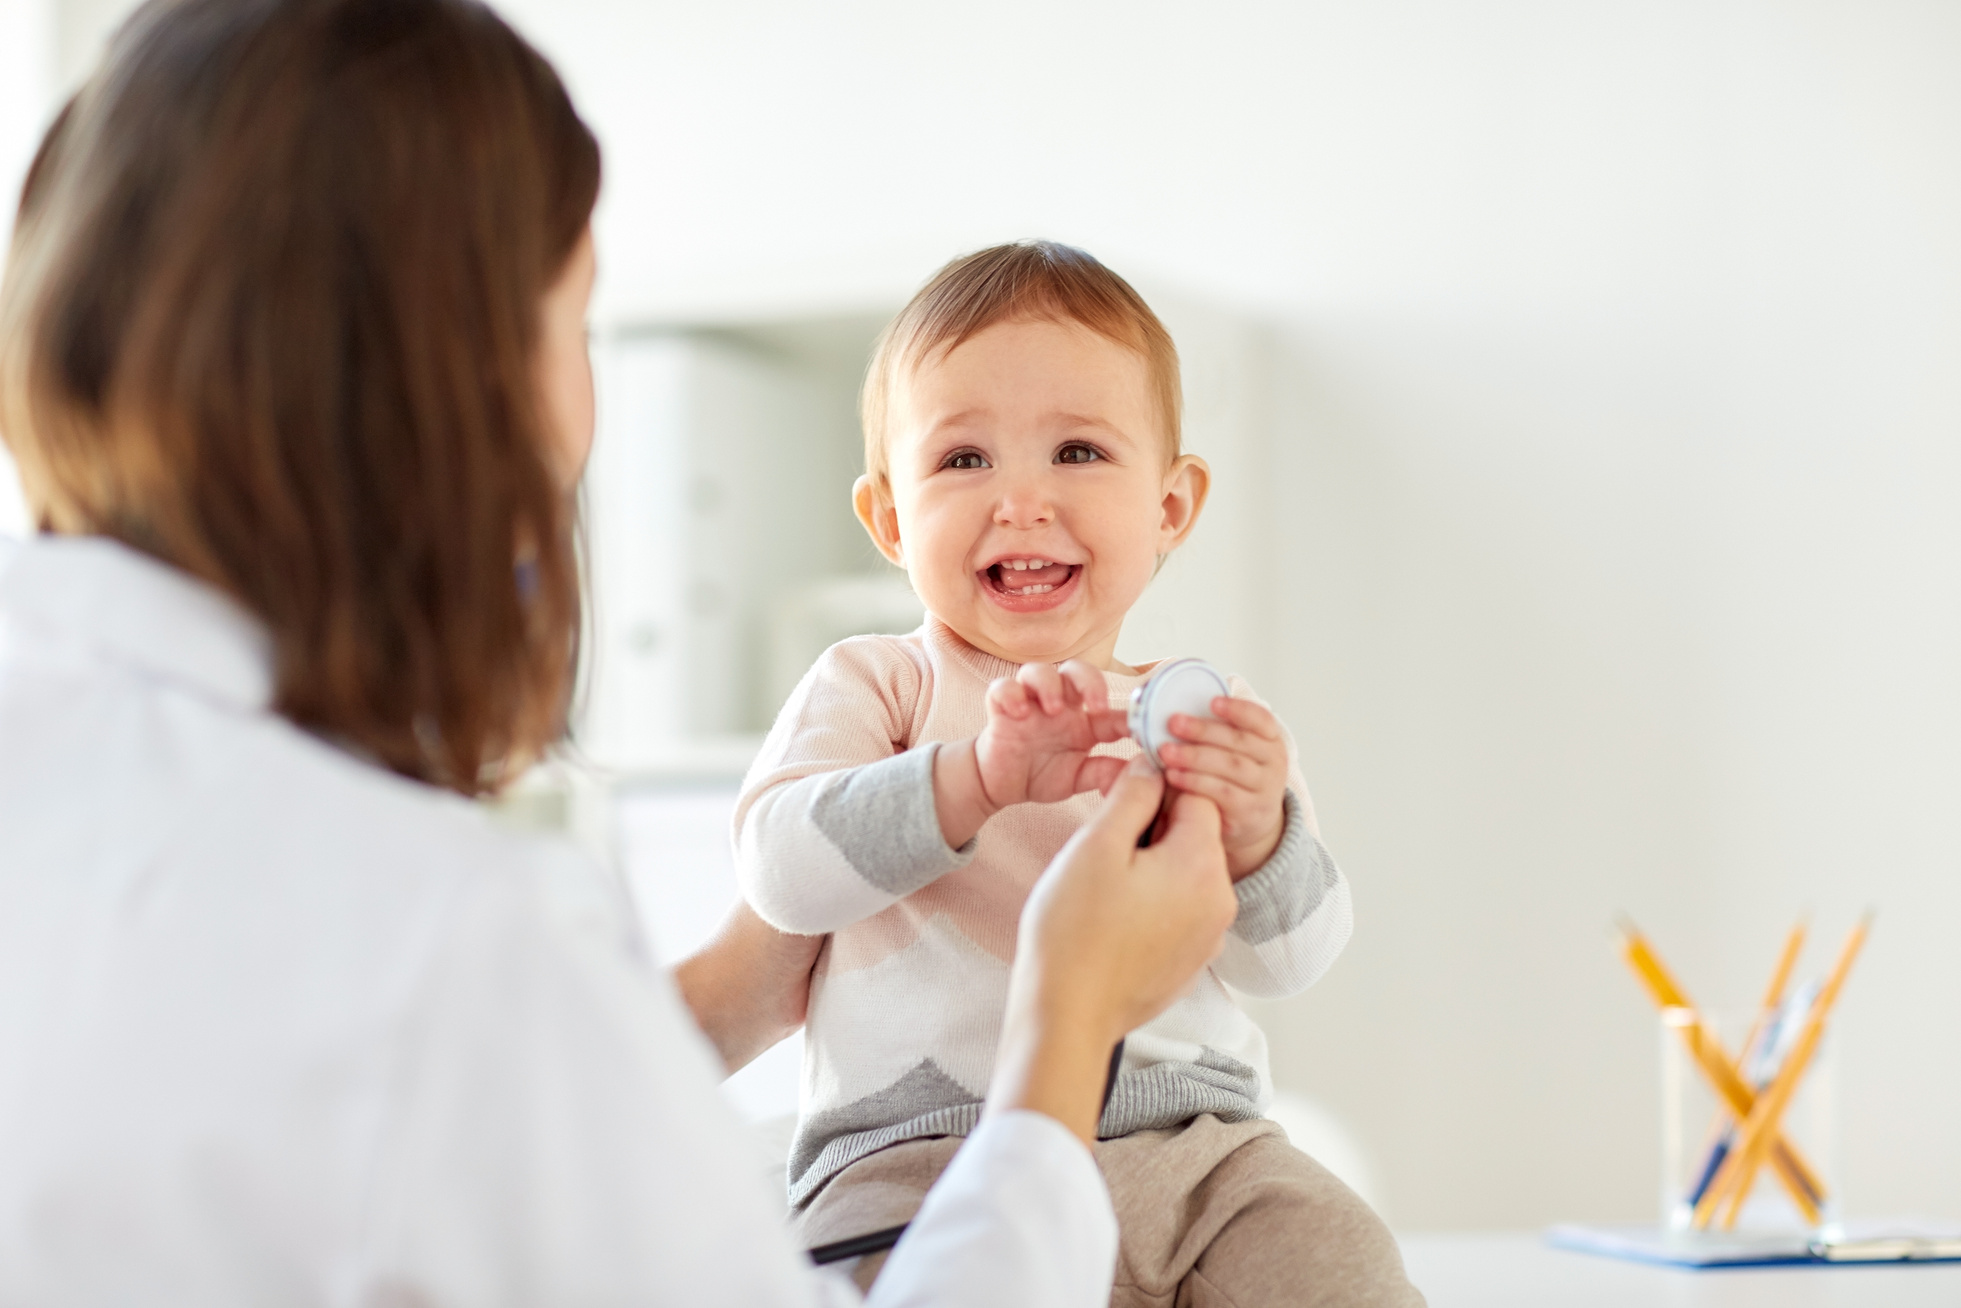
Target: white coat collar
89,592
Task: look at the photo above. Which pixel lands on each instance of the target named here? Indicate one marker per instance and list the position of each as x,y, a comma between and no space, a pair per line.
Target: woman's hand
1110,936
749,986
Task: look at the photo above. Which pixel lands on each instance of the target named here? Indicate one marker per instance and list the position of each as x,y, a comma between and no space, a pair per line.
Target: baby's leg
878,1191
1232,1216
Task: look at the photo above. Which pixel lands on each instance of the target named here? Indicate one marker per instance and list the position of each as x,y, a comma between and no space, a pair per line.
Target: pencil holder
1717,1068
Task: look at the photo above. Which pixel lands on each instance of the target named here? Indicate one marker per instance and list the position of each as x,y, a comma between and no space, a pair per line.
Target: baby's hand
1239,762
1041,725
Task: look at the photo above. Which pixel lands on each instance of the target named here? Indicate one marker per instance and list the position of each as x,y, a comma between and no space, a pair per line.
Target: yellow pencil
1780,978
1734,1179
1797,1175
1648,966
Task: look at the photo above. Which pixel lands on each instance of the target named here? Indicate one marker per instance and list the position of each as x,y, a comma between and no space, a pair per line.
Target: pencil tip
1625,925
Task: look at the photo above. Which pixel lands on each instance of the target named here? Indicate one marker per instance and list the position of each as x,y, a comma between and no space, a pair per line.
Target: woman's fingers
1183,875
1135,791
1191,840
1110,936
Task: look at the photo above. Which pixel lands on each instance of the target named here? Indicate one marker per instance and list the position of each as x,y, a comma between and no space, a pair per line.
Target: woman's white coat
277,1026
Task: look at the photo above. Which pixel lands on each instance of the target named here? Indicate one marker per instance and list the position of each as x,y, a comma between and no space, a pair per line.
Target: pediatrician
292,361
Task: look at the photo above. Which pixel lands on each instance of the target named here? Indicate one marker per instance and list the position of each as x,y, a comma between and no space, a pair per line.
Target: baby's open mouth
1028,577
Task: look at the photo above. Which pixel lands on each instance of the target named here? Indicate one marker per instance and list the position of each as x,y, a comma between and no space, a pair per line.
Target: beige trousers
1210,1215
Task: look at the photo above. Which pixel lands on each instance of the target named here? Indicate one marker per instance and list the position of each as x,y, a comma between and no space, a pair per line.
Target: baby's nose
1024,506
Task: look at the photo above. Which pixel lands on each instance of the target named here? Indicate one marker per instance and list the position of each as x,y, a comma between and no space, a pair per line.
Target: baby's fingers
1044,681
1215,760
1009,698
1249,716
1109,724
1229,797
1228,735
1088,684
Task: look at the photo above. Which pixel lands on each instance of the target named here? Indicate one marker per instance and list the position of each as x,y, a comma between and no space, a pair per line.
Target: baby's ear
872,499
1185,487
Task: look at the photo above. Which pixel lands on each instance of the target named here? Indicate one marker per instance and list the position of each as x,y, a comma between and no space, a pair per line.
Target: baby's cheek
1128,574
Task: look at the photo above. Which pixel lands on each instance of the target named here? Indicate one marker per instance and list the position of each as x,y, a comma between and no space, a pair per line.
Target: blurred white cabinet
703,497
721,547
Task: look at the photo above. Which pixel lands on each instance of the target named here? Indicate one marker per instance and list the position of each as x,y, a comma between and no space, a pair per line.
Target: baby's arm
837,819
1294,913
834,826
1294,908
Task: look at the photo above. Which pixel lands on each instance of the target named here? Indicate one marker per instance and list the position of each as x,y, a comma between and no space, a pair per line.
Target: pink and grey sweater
837,833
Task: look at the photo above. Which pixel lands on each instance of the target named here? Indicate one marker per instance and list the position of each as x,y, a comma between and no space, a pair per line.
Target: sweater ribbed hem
1152,1098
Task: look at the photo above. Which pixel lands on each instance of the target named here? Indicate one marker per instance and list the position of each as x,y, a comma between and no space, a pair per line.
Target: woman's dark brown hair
271,315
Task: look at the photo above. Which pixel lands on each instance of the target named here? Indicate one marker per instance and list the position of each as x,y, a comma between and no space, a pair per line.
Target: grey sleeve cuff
1289,886
881,817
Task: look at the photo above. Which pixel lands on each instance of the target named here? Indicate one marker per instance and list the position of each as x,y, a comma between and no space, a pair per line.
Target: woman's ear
873,502
1185,489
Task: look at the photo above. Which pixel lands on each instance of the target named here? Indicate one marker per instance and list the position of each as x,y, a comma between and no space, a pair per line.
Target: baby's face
1031,492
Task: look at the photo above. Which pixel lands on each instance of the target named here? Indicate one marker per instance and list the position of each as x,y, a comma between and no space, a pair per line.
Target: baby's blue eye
1078,454
965,459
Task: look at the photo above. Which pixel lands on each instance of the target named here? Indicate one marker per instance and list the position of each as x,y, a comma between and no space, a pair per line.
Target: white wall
1611,472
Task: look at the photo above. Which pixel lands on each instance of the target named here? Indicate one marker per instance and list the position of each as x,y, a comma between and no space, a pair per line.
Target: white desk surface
1522,1271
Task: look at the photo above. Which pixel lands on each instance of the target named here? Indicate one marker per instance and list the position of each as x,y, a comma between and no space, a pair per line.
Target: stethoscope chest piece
1185,686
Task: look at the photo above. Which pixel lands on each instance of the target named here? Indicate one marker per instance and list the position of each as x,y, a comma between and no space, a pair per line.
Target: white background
1612,473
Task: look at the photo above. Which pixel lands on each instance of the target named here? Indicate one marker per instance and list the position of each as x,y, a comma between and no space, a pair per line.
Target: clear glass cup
1698,1128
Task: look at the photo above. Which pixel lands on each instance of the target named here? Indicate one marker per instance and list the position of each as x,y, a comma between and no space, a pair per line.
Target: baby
1023,465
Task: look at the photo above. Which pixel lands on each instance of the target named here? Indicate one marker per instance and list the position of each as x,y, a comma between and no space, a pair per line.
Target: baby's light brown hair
1026,280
